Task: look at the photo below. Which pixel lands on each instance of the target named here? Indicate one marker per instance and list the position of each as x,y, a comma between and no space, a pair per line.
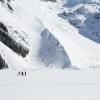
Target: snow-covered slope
35,35
50,85
42,36
26,36
84,18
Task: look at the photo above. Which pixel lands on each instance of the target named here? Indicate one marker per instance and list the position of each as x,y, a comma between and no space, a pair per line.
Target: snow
33,27
77,47
54,44
50,84
81,19
80,51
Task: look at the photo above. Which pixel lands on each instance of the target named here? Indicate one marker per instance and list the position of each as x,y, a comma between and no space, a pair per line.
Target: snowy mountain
86,18
39,38
25,39
39,34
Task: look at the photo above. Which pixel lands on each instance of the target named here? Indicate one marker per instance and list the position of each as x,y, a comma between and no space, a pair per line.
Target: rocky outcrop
87,21
3,64
10,42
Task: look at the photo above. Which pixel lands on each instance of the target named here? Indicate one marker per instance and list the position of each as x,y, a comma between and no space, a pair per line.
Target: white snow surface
50,84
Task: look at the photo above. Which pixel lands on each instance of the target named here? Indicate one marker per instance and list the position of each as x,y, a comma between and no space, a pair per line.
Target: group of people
22,73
